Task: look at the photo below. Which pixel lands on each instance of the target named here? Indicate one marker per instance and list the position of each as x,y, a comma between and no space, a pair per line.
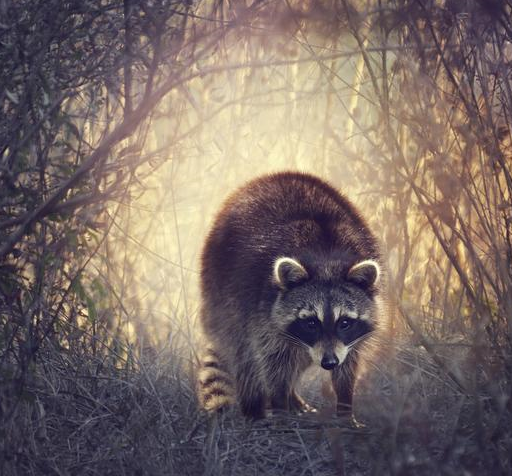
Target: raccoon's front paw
356,424
351,420
298,405
307,408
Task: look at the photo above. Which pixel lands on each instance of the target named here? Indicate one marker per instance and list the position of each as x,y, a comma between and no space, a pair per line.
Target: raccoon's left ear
365,273
288,272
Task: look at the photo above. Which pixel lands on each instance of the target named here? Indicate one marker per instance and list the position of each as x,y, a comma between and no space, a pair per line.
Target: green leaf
78,289
91,309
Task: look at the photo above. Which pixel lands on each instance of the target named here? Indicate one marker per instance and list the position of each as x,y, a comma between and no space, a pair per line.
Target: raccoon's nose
329,361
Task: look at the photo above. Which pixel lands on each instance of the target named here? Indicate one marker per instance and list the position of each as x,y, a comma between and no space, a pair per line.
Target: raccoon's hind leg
215,387
251,395
282,398
251,388
343,379
285,368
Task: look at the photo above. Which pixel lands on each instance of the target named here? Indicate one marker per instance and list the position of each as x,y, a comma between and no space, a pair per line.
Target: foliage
126,123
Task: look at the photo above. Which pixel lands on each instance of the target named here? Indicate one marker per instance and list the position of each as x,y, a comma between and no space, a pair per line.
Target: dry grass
83,416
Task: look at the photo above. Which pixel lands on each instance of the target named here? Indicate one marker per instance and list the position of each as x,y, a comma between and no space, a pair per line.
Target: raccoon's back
284,214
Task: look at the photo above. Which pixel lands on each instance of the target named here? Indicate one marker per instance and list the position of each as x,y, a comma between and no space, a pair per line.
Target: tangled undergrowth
125,123
79,415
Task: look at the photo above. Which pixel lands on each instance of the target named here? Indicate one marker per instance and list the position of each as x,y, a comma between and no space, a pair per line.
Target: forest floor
85,417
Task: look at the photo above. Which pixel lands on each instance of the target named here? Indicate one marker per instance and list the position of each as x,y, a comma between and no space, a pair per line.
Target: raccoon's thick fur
290,277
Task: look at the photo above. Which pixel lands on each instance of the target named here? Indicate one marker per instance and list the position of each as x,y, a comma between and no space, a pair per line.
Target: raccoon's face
327,319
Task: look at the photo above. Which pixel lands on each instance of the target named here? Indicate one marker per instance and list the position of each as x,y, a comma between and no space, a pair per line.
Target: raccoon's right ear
365,273
288,272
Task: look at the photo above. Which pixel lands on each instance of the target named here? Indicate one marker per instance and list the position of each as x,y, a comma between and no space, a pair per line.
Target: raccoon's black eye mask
349,329
310,330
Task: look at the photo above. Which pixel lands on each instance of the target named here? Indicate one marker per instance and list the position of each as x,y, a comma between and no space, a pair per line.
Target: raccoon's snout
329,361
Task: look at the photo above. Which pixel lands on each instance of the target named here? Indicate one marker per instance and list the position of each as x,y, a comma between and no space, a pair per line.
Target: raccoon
290,277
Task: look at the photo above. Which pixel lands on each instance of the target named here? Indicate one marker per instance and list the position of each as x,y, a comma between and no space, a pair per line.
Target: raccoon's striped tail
215,387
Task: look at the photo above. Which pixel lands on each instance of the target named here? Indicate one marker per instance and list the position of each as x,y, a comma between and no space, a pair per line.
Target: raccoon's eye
345,324
310,324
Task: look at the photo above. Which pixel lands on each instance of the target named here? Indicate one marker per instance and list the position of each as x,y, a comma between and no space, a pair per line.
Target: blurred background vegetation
126,123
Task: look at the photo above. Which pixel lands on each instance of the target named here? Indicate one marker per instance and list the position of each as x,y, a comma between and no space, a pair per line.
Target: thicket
125,123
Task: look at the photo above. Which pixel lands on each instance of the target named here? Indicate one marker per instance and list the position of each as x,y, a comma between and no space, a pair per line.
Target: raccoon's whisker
359,339
372,363
292,339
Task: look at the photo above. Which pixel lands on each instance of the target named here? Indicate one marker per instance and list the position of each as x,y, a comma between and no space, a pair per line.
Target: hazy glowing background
221,130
